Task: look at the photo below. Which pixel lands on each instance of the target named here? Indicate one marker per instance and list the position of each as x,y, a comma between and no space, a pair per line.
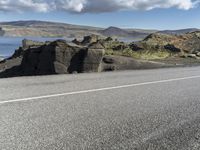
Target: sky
144,14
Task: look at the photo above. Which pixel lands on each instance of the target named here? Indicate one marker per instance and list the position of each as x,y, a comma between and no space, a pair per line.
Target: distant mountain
114,31
118,32
54,29
45,29
178,32
35,23
26,23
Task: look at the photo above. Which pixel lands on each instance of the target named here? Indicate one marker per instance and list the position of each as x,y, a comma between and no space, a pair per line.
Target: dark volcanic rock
29,43
57,58
87,40
186,43
95,53
112,63
75,41
172,48
60,57
90,39
96,45
108,39
135,47
120,47
18,53
26,44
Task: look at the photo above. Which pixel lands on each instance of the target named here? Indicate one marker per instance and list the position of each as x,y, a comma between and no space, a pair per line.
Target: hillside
53,29
45,29
34,23
117,32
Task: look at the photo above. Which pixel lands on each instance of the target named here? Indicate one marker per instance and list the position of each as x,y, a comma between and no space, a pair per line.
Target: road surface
140,110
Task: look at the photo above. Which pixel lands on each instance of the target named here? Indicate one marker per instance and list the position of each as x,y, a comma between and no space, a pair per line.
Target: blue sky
147,16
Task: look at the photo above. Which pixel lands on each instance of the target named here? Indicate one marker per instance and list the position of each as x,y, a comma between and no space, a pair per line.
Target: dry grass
147,55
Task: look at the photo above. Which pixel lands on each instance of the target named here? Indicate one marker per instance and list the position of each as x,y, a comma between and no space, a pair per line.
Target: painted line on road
96,90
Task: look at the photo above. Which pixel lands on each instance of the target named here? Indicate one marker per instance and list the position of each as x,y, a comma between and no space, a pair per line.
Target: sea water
9,44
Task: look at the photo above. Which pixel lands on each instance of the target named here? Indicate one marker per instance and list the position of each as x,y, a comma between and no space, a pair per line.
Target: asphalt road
140,110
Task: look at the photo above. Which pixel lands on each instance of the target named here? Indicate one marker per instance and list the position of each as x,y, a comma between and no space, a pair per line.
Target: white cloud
92,6
24,5
70,5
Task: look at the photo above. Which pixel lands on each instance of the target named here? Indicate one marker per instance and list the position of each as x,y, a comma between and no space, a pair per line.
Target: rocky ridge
185,45
61,57
97,54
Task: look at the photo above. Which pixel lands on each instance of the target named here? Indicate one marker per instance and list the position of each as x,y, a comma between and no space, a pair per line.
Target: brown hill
186,43
118,32
53,29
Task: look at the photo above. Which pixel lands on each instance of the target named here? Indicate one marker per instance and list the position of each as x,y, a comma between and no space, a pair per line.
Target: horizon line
94,26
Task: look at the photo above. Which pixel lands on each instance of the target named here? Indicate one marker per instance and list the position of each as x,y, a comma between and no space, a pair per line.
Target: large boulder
59,57
95,53
90,39
87,40
29,43
133,46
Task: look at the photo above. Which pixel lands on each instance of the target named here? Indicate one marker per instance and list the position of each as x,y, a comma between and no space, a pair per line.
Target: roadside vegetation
147,55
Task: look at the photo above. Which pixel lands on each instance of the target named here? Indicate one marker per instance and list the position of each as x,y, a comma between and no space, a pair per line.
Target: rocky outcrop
95,54
87,40
29,43
133,46
186,43
58,57
90,39
77,42
172,48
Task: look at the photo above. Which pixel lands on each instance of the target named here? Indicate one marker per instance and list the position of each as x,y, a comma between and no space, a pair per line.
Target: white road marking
96,90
